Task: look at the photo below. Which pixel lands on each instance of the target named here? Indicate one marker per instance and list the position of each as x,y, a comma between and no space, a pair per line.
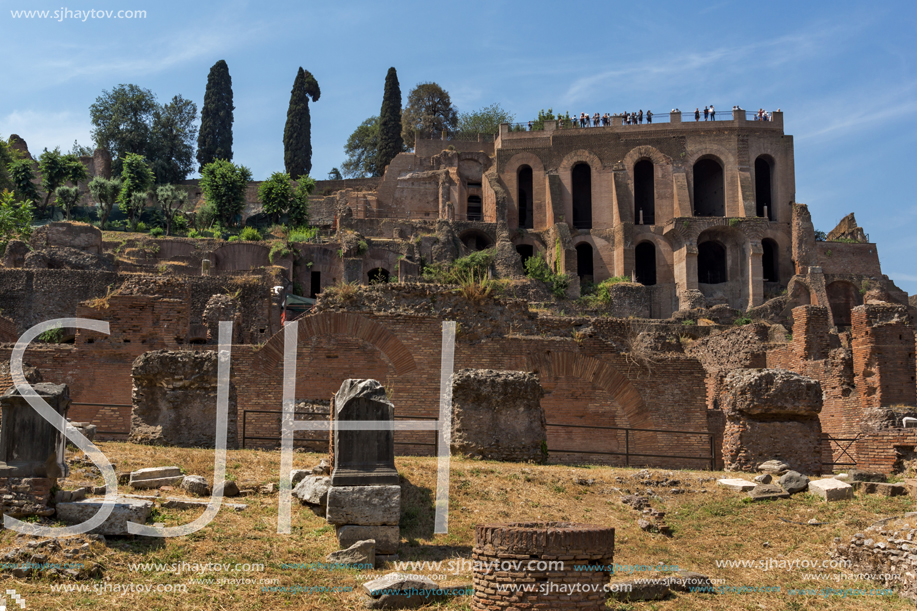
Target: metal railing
627,454
102,431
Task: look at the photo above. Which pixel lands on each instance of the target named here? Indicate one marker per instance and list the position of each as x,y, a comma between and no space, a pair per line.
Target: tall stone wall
883,355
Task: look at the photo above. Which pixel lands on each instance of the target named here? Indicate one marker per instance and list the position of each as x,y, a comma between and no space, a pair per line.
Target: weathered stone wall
771,414
497,415
742,347
175,400
883,355
24,497
74,235
886,550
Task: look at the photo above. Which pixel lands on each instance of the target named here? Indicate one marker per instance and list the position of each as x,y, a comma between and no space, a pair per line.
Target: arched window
709,188
581,178
379,275
525,200
769,263
526,252
584,266
711,263
763,184
842,297
645,263
644,193
475,209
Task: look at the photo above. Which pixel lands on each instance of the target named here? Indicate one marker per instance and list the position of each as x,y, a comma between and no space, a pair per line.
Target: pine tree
297,135
214,140
390,141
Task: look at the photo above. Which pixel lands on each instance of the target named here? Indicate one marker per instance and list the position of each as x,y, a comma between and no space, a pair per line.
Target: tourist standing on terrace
697,114
640,116
649,116
712,113
706,112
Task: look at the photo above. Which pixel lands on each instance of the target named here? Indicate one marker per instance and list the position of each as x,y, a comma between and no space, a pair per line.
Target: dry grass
102,303
708,526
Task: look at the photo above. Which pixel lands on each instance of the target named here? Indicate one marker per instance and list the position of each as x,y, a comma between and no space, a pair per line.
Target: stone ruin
175,400
771,413
497,415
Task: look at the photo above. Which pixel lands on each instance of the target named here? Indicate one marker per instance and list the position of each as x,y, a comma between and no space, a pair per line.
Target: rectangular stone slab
387,538
364,505
155,473
739,485
126,510
831,489
157,483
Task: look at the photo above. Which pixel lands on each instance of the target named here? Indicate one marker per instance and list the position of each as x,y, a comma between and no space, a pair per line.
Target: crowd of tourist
636,118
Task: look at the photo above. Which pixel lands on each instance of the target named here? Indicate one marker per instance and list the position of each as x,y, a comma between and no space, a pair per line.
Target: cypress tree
390,141
214,140
297,135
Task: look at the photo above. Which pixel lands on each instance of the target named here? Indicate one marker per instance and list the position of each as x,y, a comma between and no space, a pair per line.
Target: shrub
141,227
52,336
537,268
157,232
233,238
473,266
250,234
742,320
362,247
303,234
194,233
278,251
688,323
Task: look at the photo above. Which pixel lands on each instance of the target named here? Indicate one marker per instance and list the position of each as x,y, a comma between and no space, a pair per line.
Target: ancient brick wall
843,258
883,355
885,451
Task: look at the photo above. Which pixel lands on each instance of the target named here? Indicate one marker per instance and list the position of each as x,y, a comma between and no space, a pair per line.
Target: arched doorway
763,186
584,266
711,263
475,240
645,263
526,252
770,265
644,193
581,179
525,199
842,297
475,208
709,188
378,275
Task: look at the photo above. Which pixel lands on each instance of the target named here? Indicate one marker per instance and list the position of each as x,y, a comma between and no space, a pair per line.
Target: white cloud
43,130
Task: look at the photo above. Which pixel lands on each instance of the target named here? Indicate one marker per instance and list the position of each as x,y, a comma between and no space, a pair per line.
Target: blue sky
844,73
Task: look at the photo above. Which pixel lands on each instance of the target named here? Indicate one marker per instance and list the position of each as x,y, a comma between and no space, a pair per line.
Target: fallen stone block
125,510
313,490
831,489
387,538
793,482
633,590
196,485
768,492
156,477
855,475
739,485
911,485
764,478
360,555
683,581
405,591
774,467
364,505
297,475
180,503
890,489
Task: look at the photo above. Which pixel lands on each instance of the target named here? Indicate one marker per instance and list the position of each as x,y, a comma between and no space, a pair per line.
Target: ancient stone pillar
29,445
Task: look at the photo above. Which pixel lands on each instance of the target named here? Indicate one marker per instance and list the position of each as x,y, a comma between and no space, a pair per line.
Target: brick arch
510,176
571,364
520,159
339,323
580,156
721,153
665,255
645,152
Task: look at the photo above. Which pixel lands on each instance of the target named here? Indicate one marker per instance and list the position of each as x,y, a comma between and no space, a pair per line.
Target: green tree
15,219
136,181
223,184
429,111
276,193
486,120
22,176
297,134
80,151
214,141
171,146
362,148
299,205
122,122
390,141
57,169
335,174
105,192
171,201
67,197
6,158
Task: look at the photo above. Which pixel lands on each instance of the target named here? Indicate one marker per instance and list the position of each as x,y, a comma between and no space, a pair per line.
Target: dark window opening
709,189
769,262
526,252
475,208
476,241
584,266
644,193
315,282
379,275
763,188
711,263
645,263
582,196
526,204
842,297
